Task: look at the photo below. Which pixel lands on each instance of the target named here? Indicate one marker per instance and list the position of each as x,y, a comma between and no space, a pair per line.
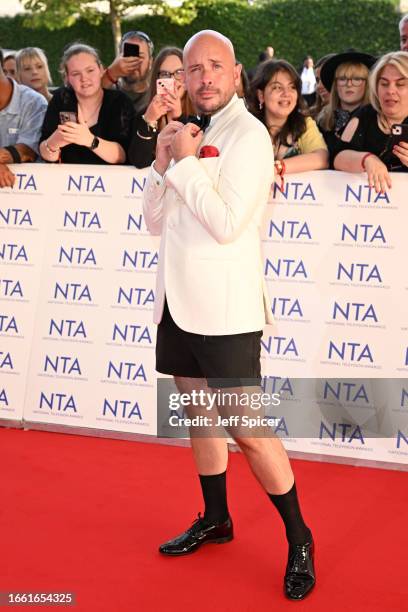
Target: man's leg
211,458
270,464
210,455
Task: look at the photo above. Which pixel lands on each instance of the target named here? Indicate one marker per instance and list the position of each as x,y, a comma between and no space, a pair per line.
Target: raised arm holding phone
165,101
130,70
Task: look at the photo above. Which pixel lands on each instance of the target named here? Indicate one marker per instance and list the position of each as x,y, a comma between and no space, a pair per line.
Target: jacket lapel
223,123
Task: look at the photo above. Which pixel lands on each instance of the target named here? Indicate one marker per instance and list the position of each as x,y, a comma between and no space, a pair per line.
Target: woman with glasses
345,76
367,143
159,107
277,102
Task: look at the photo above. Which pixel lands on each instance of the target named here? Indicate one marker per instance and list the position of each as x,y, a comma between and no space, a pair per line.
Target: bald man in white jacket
211,300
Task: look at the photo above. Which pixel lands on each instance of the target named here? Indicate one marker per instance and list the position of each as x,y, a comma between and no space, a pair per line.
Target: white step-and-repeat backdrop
77,278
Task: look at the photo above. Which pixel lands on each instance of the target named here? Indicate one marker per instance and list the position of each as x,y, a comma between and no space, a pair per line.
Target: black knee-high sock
214,490
287,505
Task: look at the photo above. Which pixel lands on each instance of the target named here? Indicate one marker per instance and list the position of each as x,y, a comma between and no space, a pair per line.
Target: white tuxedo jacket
208,212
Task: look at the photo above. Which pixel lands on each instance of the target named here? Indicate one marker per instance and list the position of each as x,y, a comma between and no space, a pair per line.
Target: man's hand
124,66
26,154
401,151
186,141
5,157
378,175
163,149
7,178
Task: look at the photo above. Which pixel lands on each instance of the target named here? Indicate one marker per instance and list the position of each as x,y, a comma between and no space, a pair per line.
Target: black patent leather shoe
300,573
201,532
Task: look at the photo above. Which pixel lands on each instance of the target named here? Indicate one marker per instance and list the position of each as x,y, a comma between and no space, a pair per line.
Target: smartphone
65,116
130,49
164,86
399,133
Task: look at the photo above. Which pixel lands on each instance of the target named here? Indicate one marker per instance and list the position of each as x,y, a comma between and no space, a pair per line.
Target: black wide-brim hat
329,68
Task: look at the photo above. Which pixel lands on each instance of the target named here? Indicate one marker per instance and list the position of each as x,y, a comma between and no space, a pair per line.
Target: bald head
211,36
211,72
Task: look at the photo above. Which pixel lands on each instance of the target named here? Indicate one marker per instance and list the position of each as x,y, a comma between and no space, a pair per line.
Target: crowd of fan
346,112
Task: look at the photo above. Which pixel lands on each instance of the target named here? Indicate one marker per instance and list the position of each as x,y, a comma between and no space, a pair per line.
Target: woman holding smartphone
84,123
165,100
367,144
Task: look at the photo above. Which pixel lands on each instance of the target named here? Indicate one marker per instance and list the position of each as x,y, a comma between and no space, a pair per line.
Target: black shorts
225,361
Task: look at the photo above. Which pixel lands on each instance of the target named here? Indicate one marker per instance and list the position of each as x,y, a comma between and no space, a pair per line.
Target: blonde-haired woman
32,70
345,76
367,142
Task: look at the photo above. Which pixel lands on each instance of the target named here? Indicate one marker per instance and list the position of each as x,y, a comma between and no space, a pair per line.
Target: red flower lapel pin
209,151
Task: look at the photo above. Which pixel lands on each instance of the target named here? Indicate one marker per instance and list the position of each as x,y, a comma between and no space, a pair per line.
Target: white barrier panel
334,253
23,235
77,291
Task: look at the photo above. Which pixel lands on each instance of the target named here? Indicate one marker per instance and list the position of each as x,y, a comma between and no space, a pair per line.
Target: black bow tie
202,121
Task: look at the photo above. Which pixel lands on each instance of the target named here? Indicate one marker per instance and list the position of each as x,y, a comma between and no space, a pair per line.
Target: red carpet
87,514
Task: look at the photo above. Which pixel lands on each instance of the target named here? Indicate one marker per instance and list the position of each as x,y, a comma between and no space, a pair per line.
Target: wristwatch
94,143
